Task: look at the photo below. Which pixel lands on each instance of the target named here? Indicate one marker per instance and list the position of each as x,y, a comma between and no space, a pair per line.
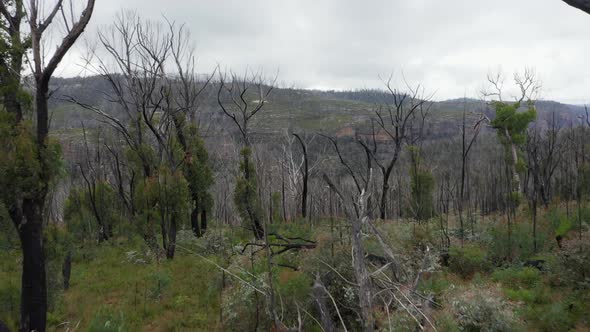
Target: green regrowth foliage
83,220
58,242
162,197
13,47
468,260
422,187
197,170
21,171
511,124
246,191
8,235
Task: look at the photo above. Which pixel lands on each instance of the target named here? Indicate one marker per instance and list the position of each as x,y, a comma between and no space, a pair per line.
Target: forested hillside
311,111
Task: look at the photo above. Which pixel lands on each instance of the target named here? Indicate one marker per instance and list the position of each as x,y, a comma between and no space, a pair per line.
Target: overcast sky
448,46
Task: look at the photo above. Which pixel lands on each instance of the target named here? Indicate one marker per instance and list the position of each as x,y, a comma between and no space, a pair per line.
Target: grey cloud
449,46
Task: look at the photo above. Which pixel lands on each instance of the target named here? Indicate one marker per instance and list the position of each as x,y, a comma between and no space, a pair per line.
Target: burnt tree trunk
386,171
203,221
305,177
67,269
250,208
171,239
34,285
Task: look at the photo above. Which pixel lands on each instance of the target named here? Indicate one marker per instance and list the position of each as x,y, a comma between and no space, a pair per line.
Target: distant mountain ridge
288,108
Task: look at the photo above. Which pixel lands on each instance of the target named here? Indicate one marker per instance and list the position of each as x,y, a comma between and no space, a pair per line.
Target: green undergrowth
479,286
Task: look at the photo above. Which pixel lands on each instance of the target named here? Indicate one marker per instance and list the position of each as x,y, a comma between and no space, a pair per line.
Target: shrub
575,263
537,295
558,316
559,222
401,321
481,310
159,282
240,304
107,321
434,285
521,238
513,277
294,285
447,323
58,242
468,260
8,234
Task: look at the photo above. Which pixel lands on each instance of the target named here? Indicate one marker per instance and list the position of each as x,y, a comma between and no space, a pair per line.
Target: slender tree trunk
252,214
171,239
284,199
203,221
195,221
535,224
384,198
164,232
305,177
67,269
385,186
515,176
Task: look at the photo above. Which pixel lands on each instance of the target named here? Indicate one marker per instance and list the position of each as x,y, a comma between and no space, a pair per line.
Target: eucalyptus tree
31,159
240,99
187,90
168,162
421,187
511,124
402,120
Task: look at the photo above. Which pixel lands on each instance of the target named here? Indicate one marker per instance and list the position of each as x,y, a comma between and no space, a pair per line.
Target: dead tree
543,151
465,149
402,122
93,177
240,100
357,212
305,171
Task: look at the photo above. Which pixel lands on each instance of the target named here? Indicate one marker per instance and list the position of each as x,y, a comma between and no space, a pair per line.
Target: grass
110,283
188,302
9,287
